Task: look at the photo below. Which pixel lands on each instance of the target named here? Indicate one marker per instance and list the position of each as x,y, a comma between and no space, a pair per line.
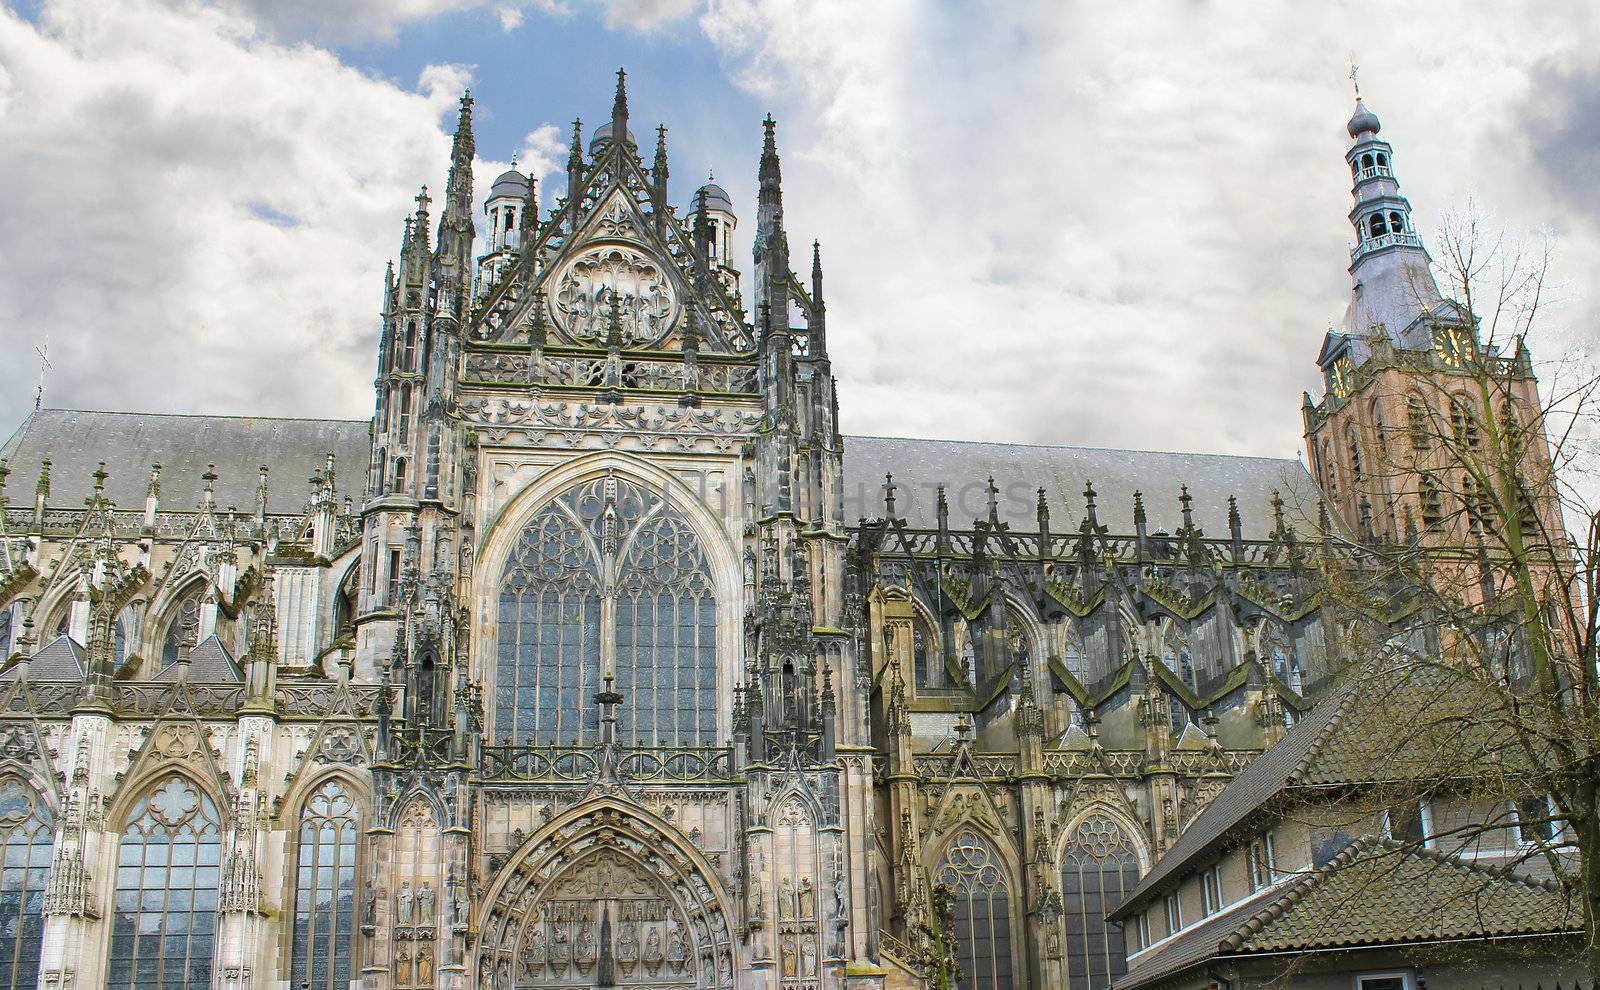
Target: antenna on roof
44,366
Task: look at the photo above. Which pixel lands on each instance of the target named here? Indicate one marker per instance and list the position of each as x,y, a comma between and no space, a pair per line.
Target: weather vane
1355,78
44,365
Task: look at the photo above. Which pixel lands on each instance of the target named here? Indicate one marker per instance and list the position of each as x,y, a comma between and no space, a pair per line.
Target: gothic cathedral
598,657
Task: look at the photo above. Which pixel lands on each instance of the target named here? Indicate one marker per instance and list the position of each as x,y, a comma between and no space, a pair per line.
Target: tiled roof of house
1374,892
1407,720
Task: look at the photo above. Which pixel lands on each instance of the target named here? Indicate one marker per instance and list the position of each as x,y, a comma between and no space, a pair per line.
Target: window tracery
607,577
982,904
164,929
182,628
1100,867
26,835
325,890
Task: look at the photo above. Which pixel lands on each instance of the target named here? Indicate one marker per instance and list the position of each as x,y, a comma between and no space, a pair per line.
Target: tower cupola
1392,285
508,199
713,202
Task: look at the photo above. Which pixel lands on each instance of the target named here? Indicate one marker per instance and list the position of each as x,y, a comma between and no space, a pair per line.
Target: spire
528,221
771,244
818,324
458,190
658,178
619,108
575,174
770,174
1389,267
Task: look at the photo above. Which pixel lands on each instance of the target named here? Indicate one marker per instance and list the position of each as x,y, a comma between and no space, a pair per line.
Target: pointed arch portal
606,896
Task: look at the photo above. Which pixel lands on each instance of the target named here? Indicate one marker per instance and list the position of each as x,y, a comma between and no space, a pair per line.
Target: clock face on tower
1340,375
1453,345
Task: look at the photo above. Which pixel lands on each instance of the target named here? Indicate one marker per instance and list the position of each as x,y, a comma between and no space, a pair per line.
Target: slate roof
1418,720
75,441
209,663
1375,892
292,449
1019,470
61,659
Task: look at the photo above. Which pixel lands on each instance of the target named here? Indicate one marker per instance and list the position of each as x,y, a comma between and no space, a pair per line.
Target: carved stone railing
589,371
990,766
900,952
26,699
580,763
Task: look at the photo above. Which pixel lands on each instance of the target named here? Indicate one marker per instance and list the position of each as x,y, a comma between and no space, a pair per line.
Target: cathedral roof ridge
1072,446
197,415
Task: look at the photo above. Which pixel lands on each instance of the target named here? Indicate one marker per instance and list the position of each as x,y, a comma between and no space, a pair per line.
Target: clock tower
1408,385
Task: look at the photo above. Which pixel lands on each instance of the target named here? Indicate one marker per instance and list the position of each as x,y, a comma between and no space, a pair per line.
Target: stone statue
369,904
403,904
628,944
787,955
402,969
583,947
425,968
808,957
786,898
808,900
425,905
652,950
677,947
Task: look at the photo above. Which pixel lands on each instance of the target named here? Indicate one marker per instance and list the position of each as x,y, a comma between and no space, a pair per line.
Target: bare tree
1469,582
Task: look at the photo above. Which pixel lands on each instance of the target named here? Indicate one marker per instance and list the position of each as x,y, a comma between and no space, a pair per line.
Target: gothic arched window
325,890
1100,868
26,835
182,629
5,632
982,906
168,868
552,613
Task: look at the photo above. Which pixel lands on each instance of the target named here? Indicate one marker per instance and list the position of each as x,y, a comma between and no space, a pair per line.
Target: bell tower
1411,391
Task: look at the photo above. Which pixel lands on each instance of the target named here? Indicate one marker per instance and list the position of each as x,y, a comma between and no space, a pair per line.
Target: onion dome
1363,121
510,183
602,135
715,197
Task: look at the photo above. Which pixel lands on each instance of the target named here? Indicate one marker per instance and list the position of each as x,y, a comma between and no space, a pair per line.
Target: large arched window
553,611
25,833
982,902
666,659
168,867
325,890
1099,870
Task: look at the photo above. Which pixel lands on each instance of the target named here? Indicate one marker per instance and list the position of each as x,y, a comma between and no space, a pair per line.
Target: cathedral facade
598,657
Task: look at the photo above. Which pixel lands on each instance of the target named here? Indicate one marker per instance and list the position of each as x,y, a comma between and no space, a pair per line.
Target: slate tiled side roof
61,659
919,466
75,441
209,663
1375,892
1414,720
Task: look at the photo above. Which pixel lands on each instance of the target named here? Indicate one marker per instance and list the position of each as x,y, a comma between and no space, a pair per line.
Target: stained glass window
666,656
26,835
325,890
168,867
1100,868
553,608
982,903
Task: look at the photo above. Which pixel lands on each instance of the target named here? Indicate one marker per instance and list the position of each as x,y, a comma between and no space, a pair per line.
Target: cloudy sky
1103,224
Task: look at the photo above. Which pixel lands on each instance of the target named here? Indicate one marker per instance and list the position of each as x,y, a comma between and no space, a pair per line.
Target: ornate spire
619,108
458,190
771,173
575,152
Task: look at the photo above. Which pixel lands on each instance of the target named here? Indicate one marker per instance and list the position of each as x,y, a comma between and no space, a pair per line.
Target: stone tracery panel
609,900
593,281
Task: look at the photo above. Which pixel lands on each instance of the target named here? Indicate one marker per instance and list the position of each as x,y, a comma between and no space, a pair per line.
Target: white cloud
201,217
1117,228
